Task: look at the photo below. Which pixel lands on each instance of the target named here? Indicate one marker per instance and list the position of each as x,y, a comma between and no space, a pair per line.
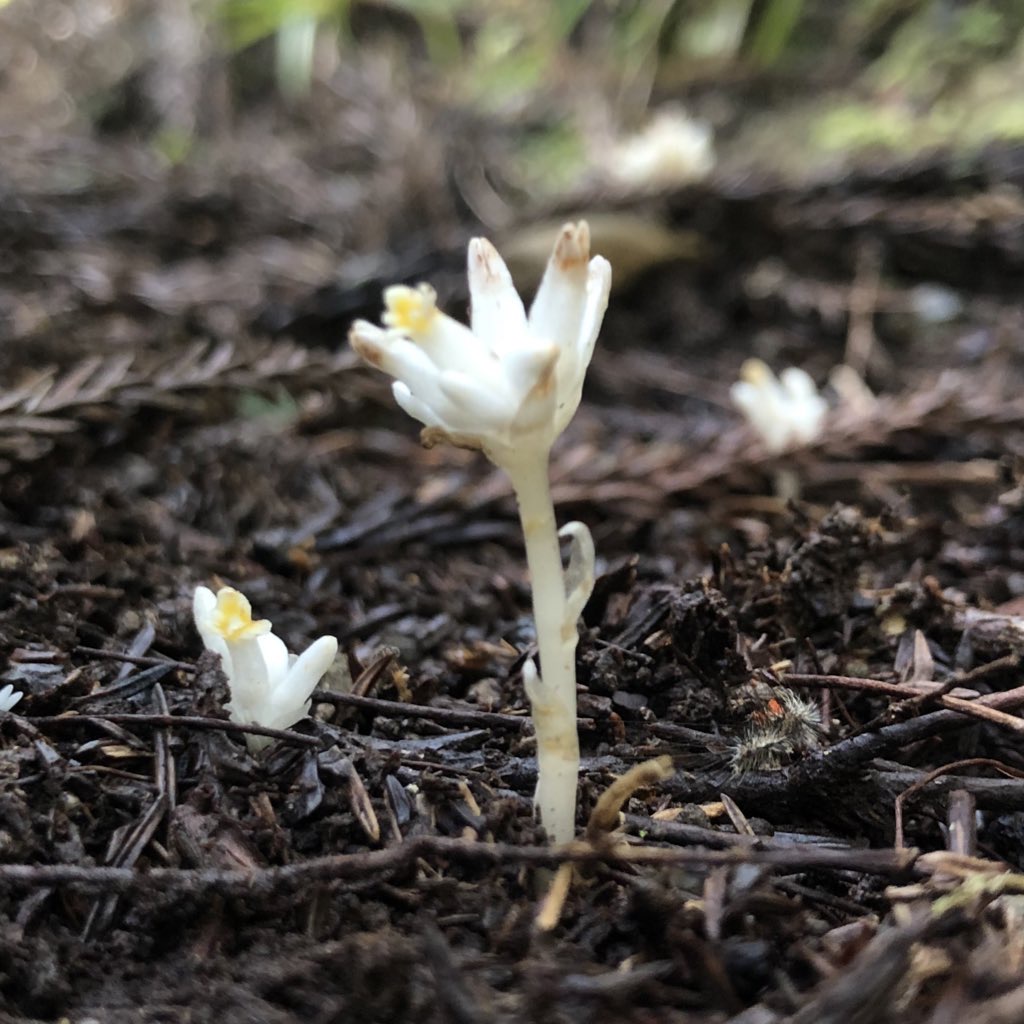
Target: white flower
673,149
510,379
9,696
785,411
269,686
509,384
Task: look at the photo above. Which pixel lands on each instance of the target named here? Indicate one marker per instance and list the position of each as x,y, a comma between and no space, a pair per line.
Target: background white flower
269,686
673,149
509,377
785,411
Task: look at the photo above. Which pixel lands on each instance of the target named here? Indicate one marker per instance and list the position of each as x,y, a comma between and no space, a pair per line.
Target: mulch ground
836,679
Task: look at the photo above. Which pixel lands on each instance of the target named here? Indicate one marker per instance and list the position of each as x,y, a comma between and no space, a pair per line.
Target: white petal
808,419
572,367
538,407
9,697
369,341
246,669
557,309
530,363
407,362
417,409
276,660
746,397
805,408
797,383
453,346
395,355
497,316
599,286
310,666
474,408
204,601
290,700
760,405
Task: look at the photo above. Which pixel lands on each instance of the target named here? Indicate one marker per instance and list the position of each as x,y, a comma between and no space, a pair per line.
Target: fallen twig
988,708
946,769
443,716
434,848
132,659
176,722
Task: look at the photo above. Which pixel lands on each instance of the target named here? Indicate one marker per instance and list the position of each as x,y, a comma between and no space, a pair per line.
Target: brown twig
986,708
132,659
443,716
404,856
973,762
176,722
990,794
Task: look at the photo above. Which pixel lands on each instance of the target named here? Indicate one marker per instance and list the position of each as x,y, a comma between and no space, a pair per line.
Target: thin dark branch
946,769
132,659
982,707
176,722
886,862
443,716
990,794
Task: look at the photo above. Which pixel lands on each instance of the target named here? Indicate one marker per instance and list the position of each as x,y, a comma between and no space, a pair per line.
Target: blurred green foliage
248,21
894,73
516,45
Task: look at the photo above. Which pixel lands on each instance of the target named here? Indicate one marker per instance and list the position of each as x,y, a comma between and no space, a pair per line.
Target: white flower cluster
9,696
785,411
509,379
269,686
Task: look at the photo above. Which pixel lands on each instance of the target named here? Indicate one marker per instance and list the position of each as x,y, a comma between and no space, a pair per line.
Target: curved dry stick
971,762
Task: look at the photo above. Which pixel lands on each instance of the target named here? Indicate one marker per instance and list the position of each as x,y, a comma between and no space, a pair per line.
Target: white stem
787,484
553,694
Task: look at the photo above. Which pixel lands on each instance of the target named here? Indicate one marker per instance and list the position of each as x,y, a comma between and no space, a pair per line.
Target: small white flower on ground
9,696
510,379
269,686
785,411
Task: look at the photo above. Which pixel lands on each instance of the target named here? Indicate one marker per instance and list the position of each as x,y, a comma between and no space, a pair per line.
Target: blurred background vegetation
536,96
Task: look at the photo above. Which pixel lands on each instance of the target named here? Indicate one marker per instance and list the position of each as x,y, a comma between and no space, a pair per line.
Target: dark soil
178,407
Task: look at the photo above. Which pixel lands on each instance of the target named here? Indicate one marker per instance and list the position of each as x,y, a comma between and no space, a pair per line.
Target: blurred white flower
935,304
673,149
269,686
510,381
9,696
785,411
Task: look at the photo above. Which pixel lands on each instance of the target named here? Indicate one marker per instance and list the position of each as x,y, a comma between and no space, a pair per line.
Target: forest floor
835,678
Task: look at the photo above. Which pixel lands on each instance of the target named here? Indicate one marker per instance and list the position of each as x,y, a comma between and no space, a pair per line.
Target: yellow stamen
232,618
756,372
410,310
